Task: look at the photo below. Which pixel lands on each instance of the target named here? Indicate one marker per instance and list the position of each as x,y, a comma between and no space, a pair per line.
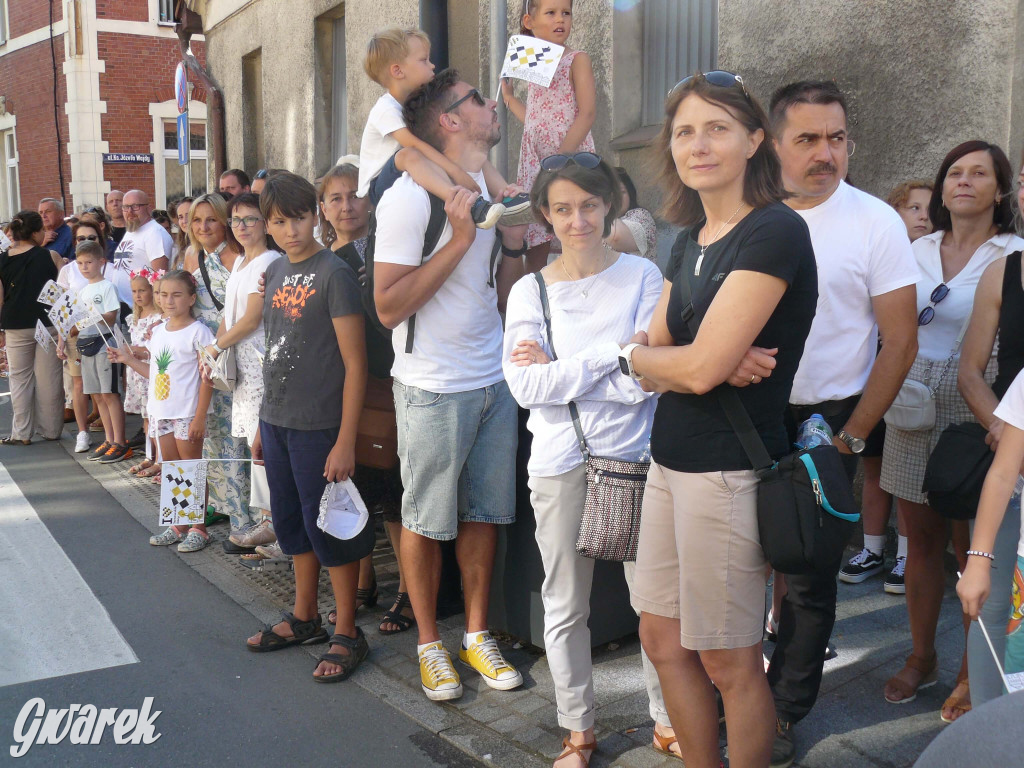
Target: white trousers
568,576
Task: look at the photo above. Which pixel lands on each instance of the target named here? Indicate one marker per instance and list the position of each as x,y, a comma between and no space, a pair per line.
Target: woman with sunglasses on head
972,209
745,263
599,299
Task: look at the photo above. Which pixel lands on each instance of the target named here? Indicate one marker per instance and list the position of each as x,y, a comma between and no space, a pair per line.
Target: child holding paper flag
557,118
1002,487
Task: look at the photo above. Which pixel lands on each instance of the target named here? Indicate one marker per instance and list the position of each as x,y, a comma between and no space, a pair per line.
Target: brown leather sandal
959,700
664,744
569,748
929,677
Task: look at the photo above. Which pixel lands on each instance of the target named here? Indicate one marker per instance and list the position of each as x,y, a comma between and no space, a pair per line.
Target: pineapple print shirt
174,370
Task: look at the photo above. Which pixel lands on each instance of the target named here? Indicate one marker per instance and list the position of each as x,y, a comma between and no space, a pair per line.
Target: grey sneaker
783,749
194,541
165,538
261,533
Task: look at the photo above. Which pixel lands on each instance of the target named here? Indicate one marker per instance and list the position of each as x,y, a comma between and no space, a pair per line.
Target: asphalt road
91,614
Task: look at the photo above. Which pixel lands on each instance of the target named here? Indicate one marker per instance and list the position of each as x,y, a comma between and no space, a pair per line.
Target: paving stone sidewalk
851,725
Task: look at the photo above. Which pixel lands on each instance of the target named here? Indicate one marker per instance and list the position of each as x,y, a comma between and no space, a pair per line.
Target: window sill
635,139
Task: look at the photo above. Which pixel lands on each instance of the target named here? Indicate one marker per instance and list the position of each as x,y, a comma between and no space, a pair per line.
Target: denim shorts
383,181
457,452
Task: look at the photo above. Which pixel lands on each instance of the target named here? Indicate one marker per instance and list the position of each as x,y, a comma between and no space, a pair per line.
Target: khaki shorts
74,362
700,558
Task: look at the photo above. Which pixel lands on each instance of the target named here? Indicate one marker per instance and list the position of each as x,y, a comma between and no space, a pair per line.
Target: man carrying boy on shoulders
457,430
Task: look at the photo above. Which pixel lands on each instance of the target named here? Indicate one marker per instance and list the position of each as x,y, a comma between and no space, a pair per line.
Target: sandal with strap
568,748
959,701
303,632
929,677
144,464
12,440
664,744
394,615
365,598
357,651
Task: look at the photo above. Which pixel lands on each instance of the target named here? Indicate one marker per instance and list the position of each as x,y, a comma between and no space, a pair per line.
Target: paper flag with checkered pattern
65,312
183,492
50,293
43,337
532,59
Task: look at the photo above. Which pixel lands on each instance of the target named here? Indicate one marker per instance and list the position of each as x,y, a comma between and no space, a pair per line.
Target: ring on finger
752,377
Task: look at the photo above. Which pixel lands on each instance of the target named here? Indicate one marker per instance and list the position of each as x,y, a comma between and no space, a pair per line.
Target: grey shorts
457,452
97,374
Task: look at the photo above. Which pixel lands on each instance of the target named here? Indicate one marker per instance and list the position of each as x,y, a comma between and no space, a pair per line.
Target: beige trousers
37,386
568,576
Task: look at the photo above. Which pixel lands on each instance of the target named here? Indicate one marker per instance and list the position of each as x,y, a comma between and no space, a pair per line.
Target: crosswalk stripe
51,622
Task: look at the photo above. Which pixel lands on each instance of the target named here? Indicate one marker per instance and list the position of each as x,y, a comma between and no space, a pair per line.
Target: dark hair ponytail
25,224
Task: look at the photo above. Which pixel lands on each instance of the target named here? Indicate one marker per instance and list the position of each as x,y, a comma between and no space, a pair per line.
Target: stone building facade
112,66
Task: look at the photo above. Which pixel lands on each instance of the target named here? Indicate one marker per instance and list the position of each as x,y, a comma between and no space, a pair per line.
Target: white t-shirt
70,277
175,353
862,250
1011,411
243,282
378,145
457,342
136,250
101,297
936,339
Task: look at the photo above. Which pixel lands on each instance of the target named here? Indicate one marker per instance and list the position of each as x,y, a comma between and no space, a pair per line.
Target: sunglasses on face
244,222
83,238
583,159
473,94
928,313
718,77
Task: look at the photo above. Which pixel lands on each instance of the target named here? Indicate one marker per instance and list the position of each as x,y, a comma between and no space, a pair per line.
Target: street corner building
87,103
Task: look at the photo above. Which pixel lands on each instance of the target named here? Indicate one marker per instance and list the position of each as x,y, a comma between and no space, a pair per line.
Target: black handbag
806,511
610,526
956,470
92,346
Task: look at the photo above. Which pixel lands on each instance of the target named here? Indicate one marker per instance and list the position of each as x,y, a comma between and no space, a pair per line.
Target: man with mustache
866,278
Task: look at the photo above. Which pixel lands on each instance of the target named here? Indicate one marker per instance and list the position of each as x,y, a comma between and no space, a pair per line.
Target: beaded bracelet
979,553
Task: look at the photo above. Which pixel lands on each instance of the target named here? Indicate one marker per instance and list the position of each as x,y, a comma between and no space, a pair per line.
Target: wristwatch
855,444
626,362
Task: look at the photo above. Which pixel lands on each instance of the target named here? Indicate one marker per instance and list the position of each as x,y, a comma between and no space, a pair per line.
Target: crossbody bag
610,527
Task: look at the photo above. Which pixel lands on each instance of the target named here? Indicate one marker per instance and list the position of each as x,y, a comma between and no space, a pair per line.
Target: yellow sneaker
438,677
483,656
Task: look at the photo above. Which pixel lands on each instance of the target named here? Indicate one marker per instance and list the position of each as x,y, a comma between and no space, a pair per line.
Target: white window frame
668,28
4,35
10,187
165,7
167,111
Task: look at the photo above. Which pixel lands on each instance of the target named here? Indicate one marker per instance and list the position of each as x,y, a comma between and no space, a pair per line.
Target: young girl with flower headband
145,316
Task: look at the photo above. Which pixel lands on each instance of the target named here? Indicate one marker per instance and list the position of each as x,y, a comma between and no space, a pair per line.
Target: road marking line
53,624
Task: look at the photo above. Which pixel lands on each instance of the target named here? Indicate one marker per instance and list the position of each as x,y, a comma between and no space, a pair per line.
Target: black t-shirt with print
691,432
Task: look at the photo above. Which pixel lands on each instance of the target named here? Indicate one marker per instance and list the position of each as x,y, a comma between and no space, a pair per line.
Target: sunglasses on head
717,77
928,313
261,174
473,94
583,159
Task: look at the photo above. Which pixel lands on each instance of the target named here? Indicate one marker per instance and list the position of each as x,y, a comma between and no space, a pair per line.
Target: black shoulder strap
435,226
728,397
573,410
206,280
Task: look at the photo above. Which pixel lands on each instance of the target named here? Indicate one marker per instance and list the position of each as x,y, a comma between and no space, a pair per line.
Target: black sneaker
517,211
138,440
115,454
486,213
783,748
894,584
863,565
100,451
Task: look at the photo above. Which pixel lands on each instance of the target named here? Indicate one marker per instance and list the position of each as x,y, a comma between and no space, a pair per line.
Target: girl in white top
971,207
241,327
178,398
599,299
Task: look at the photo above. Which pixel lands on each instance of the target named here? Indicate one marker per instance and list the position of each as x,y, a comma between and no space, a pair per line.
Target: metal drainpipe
190,22
499,42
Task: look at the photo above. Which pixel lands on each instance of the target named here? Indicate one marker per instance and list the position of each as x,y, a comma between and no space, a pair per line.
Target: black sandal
357,651
394,615
304,632
368,597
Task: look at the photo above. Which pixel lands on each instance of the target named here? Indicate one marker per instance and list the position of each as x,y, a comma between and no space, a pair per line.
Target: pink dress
549,113
138,386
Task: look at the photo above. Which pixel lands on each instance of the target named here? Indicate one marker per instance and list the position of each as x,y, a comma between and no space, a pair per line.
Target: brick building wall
26,79
128,10
27,15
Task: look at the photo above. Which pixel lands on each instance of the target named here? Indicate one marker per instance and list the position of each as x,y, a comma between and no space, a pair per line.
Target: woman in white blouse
971,207
599,299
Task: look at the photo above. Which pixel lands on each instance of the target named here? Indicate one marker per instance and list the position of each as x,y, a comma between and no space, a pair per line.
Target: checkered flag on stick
531,59
183,492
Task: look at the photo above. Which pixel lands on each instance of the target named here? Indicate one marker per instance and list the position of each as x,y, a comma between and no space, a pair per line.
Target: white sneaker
82,443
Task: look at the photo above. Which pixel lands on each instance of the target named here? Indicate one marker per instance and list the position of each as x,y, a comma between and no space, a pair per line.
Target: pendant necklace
583,291
705,246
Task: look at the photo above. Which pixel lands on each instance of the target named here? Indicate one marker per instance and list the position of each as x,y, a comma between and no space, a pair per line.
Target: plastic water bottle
813,432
